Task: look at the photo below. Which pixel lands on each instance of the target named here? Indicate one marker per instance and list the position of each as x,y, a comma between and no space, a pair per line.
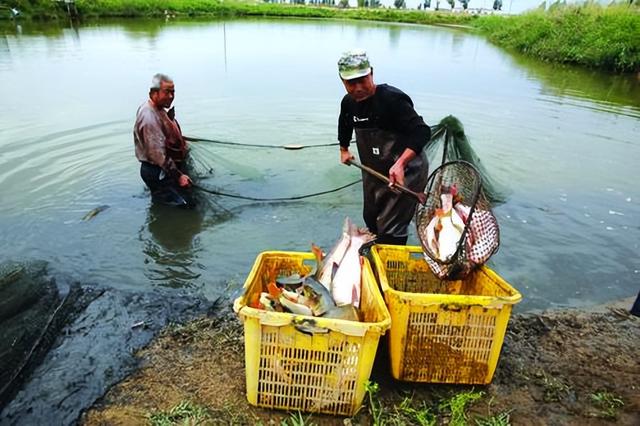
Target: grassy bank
589,35
159,8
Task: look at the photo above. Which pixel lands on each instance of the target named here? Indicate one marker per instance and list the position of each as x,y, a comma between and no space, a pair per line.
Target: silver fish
344,312
94,212
317,296
331,262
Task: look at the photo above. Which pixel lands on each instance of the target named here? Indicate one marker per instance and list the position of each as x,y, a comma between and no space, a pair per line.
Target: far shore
589,35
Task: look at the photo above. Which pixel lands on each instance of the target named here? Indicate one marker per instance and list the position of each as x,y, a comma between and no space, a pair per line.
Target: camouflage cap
354,64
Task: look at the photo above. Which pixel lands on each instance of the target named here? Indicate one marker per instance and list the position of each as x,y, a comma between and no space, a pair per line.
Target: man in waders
390,136
160,147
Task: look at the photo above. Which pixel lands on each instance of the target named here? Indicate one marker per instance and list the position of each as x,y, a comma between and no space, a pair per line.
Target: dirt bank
557,367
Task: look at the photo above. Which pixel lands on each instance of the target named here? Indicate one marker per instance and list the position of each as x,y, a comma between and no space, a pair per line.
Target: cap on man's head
354,64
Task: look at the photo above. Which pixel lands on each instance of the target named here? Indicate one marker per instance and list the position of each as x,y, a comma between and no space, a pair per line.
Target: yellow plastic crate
324,371
442,331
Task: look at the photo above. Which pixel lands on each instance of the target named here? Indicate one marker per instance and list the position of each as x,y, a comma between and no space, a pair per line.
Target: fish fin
347,226
273,273
317,251
355,297
357,287
273,289
334,270
255,301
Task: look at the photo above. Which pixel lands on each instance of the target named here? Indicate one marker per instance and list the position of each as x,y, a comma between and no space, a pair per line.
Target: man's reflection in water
172,243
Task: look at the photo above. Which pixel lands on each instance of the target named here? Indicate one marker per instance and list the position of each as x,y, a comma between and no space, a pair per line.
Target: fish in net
457,230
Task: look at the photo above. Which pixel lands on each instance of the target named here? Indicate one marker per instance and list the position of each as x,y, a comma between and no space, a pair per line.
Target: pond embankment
556,367
588,35
165,357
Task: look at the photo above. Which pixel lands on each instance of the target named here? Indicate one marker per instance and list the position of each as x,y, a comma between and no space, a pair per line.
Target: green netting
456,226
28,300
449,136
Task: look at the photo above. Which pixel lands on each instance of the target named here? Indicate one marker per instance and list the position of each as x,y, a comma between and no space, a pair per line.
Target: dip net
456,227
457,230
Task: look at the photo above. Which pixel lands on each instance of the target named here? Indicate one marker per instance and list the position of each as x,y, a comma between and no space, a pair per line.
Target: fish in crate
311,332
331,291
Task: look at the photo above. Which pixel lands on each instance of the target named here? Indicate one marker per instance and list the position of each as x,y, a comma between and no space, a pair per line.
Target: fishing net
449,134
28,301
456,227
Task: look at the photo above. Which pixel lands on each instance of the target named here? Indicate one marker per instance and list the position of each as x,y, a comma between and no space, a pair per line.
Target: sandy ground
553,367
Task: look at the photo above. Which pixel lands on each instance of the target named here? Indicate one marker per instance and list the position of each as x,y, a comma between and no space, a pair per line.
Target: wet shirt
388,109
158,139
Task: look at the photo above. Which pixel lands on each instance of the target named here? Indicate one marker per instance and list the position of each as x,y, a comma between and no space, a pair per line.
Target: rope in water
297,197
256,145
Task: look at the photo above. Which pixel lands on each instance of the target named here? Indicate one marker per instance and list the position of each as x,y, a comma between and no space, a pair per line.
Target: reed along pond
564,140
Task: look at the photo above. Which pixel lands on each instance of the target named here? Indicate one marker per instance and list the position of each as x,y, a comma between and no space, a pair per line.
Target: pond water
564,140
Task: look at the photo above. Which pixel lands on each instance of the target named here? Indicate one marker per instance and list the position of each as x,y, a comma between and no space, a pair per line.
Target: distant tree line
398,4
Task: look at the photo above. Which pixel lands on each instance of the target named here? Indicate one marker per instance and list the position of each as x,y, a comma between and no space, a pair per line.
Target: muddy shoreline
573,366
91,348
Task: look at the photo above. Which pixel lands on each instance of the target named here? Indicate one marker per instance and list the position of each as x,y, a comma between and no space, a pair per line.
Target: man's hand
345,155
396,174
184,181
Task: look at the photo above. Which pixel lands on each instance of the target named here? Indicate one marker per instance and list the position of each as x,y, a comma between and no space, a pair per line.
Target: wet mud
65,344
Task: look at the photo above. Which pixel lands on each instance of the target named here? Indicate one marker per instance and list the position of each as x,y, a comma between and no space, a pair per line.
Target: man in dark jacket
160,147
390,136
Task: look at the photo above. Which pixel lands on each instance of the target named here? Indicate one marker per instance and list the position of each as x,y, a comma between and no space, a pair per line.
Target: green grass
500,419
451,410
41,9
554,389
457,406
151,8
375,408
420,415
297,419
607,403
138,8
588,35
410,412
185,412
